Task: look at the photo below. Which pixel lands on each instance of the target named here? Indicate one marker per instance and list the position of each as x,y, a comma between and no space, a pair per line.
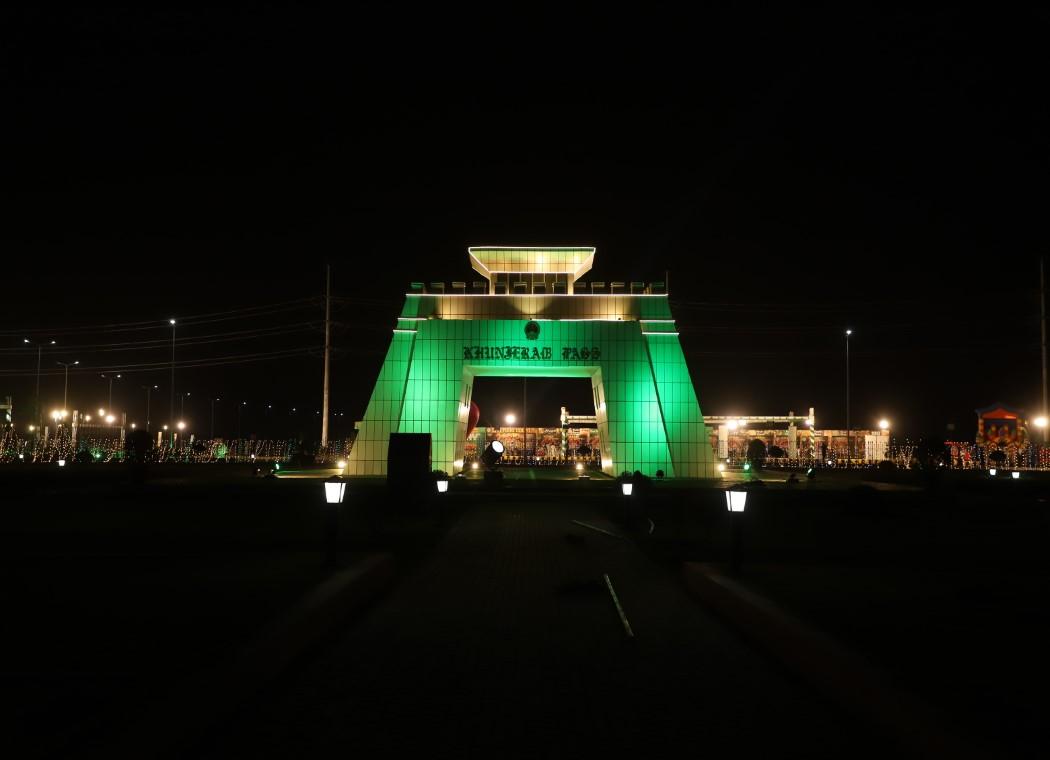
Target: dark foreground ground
500,636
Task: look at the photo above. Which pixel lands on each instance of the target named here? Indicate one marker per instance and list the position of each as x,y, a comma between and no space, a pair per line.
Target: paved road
506,643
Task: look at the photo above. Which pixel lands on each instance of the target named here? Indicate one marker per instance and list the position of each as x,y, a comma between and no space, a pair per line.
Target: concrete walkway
507,643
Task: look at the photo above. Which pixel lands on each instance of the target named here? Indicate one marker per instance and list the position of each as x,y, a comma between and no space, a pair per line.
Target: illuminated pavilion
532,316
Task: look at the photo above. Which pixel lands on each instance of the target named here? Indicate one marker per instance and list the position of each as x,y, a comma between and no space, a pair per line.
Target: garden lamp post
334,492
736,502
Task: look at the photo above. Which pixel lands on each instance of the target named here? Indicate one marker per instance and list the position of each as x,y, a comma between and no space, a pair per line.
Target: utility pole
110,378
39,351
149,391
213,416
1042,304
65,390
327,352
849,432
171,410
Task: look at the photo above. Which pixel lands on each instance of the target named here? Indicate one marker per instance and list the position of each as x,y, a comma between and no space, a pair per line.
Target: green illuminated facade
533,318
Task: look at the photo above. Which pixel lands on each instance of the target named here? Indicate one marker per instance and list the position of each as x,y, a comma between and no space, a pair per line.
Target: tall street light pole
171,410
1042,304
149,391
849,434
327,353
213,416
110,378
40,349
65,392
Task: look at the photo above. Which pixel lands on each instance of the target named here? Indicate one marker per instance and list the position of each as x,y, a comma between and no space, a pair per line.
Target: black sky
795,173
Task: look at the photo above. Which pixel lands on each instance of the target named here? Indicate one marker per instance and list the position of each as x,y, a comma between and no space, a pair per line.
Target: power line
260,332
155,366
184,321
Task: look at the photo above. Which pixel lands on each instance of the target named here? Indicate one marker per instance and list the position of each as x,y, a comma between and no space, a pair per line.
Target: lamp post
213,416
171,410
39,351
736,502
1042,325
149,390
849,435
239,408
110,377
334,492
65,391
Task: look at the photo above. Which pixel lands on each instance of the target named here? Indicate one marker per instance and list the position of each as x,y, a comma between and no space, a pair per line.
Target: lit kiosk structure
532,317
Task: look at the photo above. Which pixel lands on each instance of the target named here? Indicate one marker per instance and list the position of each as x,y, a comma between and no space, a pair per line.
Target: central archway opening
544,422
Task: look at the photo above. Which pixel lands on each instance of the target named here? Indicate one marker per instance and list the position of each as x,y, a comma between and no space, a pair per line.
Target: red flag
472,418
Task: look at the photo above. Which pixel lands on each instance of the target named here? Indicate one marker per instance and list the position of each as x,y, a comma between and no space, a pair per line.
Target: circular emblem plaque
532,330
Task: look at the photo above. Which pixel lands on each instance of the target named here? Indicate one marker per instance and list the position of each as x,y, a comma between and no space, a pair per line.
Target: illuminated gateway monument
534,318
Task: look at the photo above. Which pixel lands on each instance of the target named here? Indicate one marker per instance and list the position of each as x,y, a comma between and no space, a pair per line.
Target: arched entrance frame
648,415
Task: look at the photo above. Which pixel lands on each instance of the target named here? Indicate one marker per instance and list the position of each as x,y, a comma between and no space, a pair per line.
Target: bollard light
736,501
1015,475
61,462
442,486
334,490
473,465
627,488
993,472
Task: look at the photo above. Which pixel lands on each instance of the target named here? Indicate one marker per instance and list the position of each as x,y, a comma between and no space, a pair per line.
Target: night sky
795,175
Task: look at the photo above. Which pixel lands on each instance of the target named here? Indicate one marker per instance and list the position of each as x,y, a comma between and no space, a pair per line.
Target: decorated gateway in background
532,316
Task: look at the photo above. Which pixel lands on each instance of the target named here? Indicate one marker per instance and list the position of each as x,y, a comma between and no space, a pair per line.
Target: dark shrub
756,452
